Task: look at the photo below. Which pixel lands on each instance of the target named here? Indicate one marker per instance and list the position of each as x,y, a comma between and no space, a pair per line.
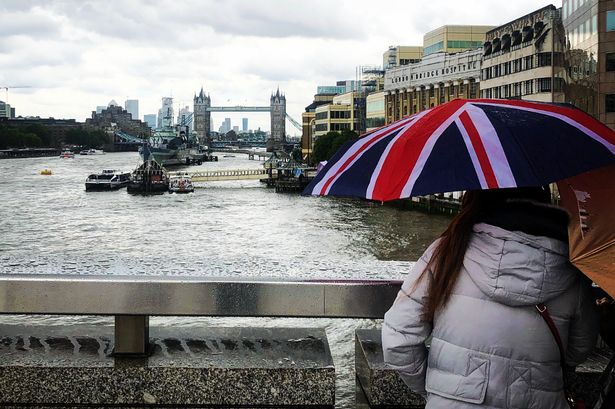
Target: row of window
521,64
570,6
522,88
434,48
464,44
584,30
374,122
332,127
434,73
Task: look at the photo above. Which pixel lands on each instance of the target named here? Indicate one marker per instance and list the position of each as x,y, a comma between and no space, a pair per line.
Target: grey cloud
28,23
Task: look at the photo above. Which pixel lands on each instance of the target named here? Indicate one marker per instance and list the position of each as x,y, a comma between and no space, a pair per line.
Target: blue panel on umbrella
355,180
542,149
449,167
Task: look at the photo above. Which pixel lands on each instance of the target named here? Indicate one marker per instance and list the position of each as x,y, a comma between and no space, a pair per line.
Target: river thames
50,225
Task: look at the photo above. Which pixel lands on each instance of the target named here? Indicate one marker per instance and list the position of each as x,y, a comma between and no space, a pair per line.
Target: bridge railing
132,300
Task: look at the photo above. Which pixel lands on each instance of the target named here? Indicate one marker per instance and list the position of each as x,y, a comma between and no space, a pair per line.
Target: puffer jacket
489,346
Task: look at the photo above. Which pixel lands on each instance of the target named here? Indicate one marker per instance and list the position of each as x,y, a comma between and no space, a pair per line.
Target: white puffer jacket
489,346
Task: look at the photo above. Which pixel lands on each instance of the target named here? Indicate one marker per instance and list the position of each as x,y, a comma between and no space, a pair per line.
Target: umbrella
465,145
591,233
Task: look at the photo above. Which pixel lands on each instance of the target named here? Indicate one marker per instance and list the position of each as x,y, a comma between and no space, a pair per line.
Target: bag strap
544,313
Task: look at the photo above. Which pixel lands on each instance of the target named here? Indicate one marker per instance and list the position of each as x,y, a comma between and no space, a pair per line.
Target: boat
181,183
149,177
91,152
66,154
172,148
46,172
108,179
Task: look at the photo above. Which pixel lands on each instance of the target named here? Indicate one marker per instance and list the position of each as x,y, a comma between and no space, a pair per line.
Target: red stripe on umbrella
479,148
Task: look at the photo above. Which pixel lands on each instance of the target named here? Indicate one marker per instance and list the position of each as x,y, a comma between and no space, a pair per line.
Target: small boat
91,152
229,156
66,154
181,183
46,172
108,179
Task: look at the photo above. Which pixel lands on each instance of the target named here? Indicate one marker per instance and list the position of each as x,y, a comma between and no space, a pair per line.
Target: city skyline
72,63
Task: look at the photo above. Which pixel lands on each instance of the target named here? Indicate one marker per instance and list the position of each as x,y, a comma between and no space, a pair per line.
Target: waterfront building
57,128
454,39
150,120
589,35
244,124
308,122
278,121
166,113
375,115
202,117
437,78
100,108
401,55
132,106
523,59
115,115
346,112
6,111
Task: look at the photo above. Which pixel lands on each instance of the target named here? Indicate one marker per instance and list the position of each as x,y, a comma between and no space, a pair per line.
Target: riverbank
28,153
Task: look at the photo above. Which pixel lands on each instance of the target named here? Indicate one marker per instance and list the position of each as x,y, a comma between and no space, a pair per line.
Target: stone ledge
190,367
382,387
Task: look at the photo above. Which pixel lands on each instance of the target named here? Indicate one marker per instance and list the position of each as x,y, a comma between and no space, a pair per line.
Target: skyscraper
244,124
100,108
132,106
166,113
185,118
227,124
150,119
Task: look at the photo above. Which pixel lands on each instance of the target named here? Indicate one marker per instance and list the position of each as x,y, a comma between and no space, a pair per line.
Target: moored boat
149,177
108,179
91,152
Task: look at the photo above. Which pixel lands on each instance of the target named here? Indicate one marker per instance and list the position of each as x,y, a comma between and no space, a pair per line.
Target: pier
228,174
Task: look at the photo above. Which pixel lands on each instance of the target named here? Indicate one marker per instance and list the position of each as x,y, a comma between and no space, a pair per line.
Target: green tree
322,146
341,139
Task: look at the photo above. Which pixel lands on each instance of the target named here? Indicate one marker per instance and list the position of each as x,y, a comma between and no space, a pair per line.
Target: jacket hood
516,268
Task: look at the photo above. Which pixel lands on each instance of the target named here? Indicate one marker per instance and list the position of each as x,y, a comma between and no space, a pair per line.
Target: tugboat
149,177
181,183
109,179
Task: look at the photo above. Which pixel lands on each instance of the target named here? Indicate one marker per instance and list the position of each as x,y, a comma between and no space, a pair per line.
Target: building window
544,84
610,20
529,87
610,102
610,61
544,59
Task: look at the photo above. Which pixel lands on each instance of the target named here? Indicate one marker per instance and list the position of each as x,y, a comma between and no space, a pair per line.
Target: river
51,225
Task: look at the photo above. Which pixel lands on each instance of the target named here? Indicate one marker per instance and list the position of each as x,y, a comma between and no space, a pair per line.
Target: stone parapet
188,367
380,387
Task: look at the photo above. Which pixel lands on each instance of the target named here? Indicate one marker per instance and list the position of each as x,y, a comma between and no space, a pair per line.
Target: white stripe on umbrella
367,140
562,117
424,155
376,173
493,146
477,167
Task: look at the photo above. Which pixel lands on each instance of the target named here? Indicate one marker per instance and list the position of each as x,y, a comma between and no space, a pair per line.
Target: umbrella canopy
591,232
465,145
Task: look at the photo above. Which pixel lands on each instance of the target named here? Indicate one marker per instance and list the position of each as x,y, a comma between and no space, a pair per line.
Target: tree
328,144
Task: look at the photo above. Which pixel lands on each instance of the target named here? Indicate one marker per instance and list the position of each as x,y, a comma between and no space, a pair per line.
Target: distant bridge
225,174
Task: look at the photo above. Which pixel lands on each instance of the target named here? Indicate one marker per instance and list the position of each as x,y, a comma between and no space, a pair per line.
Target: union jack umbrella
467,145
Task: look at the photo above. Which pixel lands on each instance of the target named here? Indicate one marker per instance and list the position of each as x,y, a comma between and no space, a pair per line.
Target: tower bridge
276,108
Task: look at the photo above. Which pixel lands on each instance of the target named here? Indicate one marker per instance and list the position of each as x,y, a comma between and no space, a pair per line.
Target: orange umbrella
590,200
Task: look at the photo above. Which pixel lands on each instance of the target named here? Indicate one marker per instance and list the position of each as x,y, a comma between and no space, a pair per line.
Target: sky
64,58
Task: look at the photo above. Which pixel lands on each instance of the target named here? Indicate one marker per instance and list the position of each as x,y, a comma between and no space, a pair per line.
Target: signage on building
520,23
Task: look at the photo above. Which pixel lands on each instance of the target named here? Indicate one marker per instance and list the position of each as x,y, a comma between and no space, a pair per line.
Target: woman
474,292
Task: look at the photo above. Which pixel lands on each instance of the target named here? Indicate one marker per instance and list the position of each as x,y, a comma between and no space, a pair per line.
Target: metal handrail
132,299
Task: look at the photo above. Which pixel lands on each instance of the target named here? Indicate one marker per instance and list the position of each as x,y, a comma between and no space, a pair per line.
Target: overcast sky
75,55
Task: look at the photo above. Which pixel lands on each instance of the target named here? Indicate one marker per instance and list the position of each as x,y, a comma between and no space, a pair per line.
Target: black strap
544,313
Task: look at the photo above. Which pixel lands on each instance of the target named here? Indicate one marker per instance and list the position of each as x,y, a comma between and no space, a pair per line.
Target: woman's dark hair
447,258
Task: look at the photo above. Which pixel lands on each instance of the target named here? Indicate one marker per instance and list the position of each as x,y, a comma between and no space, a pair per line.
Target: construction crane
7,87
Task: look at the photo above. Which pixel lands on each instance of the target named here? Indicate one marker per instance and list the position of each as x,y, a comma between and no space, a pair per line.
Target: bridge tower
278,122
202,117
